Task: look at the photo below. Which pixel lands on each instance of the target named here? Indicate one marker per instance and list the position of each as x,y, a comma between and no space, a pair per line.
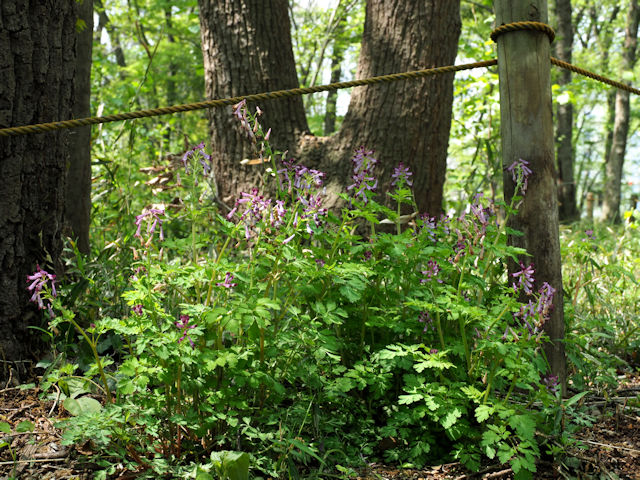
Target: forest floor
610,449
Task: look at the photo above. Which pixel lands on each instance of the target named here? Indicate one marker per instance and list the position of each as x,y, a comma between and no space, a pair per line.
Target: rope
543,27
80,122
595,76
154,112
516,26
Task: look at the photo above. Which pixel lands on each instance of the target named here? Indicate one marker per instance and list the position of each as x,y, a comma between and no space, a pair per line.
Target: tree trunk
247,49
78,193
37,69
105,23
337,57
568,210
408,121
527,133
404,121
615,160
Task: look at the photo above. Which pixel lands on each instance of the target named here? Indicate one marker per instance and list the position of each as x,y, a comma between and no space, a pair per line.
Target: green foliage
302,339
600,275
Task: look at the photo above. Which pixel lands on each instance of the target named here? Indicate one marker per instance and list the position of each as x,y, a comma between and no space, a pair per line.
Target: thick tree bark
247,49
37,69
410,121
78,193
615,160
527,133
404,122
568,210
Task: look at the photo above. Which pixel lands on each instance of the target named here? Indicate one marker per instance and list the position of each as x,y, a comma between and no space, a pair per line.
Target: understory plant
307,339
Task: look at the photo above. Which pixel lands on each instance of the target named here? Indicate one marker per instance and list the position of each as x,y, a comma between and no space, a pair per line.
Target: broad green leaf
575,398
483,412
524,425
407,399
450,418
5,427
79,406
25,426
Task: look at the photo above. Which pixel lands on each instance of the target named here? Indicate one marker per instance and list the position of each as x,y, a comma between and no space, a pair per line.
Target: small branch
487,473
34,460
611,446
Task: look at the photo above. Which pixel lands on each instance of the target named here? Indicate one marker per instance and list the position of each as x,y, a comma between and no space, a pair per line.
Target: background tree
37,72
406,122
620,132
78,194
249,53
567,208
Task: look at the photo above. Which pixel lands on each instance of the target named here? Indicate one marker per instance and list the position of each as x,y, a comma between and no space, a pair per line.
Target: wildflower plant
276,330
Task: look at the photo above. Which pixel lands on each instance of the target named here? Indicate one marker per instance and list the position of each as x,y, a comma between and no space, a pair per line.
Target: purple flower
313,211
363,179
153,217
425,318
590,235
545,301
429,225
240,112
401,176
433,351
320,262
520,173
206,165
256,209
38,281
526,313
431,271
525,278
137,309
551,382
227,281
183,325
367,255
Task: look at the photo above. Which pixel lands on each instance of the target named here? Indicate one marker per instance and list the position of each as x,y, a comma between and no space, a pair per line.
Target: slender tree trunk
337,57
405,122
37,71
171,98
527,133
105,23
568,210
247,49
78,193
615,160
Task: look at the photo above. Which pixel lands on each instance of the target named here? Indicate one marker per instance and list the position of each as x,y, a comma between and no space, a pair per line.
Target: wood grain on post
527,133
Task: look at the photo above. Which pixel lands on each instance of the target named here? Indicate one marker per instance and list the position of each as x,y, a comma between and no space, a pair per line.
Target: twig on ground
610,446
487,473
62,453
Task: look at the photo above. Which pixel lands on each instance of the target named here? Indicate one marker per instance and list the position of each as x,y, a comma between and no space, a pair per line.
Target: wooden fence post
527,133
590,202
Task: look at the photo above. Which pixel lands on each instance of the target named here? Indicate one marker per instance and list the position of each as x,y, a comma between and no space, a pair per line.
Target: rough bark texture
247,49
527,133
78,193
568,210
410,121
37,66
615,159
